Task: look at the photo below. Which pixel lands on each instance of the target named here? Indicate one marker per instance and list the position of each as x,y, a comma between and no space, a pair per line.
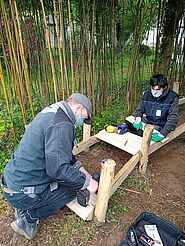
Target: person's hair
158,79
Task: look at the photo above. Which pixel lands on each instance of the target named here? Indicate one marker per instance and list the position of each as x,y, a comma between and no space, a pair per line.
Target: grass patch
74,231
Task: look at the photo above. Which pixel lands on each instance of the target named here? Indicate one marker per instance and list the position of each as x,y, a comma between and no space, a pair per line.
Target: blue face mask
157,94
80,121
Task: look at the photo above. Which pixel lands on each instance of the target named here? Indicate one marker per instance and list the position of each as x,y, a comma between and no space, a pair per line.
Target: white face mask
156,94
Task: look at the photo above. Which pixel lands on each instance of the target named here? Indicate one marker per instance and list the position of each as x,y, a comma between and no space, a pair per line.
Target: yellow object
111,128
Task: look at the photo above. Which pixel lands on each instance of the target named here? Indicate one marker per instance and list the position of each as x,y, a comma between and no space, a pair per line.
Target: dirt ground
160,191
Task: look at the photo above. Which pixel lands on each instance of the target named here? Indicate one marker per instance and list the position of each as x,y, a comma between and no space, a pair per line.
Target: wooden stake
106,178
145,148
176,87
86,131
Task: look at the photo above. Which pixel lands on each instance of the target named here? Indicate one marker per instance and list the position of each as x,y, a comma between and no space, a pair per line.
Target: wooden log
147,134
85,213
179,130
124,172
85,144
105,184
86,131
181,101
176,87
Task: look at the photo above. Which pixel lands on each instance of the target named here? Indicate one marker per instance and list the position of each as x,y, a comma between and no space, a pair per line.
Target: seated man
158,107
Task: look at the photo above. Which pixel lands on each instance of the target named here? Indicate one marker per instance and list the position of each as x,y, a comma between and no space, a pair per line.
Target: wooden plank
85,213
176,87
85,144
179,130
128,142
181,100
146,141
86,131
104,188
124,172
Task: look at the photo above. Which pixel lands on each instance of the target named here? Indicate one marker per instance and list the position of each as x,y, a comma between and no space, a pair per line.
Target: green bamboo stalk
14,63
59,50
62,24
50,52
71,46
7,100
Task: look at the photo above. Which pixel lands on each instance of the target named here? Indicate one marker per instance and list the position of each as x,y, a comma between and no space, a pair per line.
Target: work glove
157,137
137,123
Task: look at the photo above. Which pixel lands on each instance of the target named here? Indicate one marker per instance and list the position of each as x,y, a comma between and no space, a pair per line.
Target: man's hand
137,123
82,169
93,186
157,137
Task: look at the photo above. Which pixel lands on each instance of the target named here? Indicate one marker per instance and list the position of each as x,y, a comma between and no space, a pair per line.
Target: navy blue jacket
162,112
44,154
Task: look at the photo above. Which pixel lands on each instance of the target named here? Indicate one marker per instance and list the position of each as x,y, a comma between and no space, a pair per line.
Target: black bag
169,234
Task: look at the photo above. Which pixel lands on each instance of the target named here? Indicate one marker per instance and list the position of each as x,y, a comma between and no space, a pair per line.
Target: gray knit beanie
86,103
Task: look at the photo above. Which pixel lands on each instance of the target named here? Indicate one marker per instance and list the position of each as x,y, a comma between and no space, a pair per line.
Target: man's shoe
22,227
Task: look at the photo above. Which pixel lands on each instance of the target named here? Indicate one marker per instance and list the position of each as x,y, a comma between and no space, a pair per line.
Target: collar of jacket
164,94
67,110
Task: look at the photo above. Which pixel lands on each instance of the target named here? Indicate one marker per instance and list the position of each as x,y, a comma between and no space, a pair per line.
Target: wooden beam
147,135
179,130
128,142
85,213
106,178
86,131
124,172
85,144
181,100
176,87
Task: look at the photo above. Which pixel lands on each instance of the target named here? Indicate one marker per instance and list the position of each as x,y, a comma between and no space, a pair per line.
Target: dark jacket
45,154
162,112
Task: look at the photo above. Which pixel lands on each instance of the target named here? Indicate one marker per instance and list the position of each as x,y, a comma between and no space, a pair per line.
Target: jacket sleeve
172,118
139,111
59,158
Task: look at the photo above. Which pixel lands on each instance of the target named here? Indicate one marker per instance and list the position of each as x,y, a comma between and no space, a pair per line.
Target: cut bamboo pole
105,184
147,134
176,87
86,131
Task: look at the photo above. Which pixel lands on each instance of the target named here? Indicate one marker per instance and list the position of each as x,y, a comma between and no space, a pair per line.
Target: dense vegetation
50,49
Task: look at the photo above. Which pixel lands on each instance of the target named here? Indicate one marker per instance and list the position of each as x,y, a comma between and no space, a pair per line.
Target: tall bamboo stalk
59,50
7,100
50,52
71,46
25,67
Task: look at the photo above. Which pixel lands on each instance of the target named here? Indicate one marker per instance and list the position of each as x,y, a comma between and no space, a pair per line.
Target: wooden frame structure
109,182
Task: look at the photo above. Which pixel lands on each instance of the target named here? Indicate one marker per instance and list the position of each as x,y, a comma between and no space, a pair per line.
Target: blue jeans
42,205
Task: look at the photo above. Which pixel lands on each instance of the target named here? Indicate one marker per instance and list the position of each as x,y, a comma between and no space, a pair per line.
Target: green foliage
5,142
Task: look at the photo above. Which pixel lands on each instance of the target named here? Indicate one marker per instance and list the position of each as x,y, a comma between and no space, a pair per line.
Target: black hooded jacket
162,112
